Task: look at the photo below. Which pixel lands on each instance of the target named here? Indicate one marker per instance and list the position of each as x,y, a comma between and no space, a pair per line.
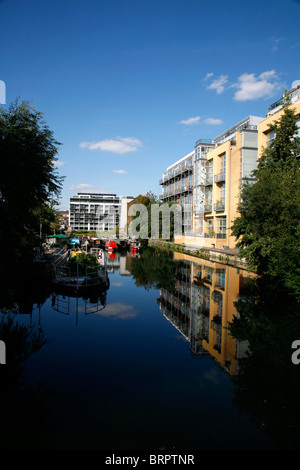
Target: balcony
207,208
217,296
209,235
219,206
187,168
220,177
208,181
220,235
166,177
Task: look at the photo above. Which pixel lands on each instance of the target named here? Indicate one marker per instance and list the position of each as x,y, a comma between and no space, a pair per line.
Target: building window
270,137
221,226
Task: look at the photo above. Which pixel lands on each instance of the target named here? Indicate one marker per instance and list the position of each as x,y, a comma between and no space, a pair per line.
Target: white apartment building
177,186
98,212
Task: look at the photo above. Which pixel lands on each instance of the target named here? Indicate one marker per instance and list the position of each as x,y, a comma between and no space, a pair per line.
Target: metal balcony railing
220,177
209,235
187,168
208,181
219,206
203,141
220,235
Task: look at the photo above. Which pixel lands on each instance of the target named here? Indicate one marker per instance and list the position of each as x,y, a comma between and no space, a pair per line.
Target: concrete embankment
224,256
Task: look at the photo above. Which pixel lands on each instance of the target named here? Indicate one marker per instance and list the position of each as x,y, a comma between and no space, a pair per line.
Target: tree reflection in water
155,269
25,418
267,385
266,382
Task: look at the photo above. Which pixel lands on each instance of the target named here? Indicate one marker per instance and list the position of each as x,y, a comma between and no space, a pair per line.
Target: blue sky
128,86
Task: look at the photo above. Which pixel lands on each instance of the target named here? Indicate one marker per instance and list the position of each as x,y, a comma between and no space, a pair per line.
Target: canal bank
229,257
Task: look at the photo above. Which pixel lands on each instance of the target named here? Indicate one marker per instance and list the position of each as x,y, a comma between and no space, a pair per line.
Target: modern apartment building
275,111
211,183
98,212
177,186
227,164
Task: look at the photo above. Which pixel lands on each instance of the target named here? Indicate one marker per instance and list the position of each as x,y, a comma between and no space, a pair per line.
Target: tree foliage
155,269
29,182
268,228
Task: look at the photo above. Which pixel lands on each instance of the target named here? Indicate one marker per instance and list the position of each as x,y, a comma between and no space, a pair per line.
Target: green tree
28,179
268,228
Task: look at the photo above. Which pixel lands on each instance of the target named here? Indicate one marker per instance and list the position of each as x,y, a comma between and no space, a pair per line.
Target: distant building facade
98,212
63,219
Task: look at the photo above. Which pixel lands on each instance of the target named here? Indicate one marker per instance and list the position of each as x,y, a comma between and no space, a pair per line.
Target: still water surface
147,365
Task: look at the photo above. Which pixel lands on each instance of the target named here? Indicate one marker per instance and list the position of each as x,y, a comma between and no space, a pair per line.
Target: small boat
101,257
76,252
94,279
122,245
135,247
111,245
80,279
75,241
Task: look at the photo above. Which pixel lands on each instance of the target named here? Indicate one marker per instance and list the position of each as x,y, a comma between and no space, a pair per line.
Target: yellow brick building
275,111
219,168
223,168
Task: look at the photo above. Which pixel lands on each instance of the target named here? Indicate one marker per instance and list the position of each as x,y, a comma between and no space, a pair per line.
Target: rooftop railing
203,141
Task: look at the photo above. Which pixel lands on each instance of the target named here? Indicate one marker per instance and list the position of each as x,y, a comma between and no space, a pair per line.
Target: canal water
149,364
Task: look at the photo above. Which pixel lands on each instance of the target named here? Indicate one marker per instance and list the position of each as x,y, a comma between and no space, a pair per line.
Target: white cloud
207,76
191,120
275,45
119,310
58,163
120,145
213,121
251,87
82,186
120,172
88,188
218,84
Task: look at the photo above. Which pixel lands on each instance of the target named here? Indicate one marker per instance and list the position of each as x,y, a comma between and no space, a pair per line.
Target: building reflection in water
201,306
